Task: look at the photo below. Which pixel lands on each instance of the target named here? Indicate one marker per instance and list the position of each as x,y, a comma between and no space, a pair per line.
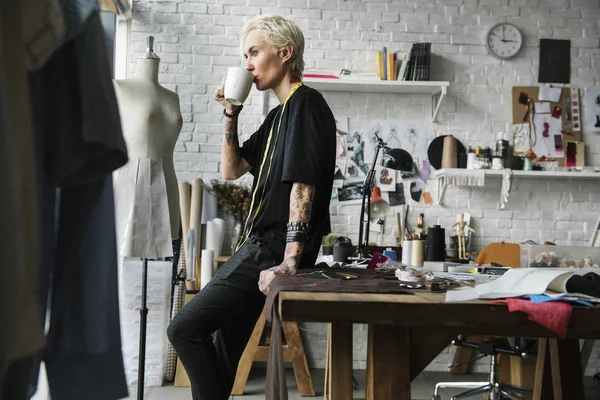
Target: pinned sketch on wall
385,178
546,127
592,110
356,157
340,151
351,192
521,137
408,135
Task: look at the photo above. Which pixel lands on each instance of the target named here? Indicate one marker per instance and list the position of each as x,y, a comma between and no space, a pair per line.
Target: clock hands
502,38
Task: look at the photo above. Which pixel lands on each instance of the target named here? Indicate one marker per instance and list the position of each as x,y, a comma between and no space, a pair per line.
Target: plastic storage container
540,256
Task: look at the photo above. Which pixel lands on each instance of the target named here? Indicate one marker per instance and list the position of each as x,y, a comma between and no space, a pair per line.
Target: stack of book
414,65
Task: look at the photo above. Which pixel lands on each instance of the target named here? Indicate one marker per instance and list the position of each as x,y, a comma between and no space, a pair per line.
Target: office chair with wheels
496,389
507,254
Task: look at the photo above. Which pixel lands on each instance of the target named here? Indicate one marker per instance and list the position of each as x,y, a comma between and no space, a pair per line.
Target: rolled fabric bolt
471,160
206,273
417,254
449,158
406,251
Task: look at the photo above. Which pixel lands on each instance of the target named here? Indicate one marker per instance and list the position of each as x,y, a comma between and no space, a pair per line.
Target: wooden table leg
389,375
567,376
341,361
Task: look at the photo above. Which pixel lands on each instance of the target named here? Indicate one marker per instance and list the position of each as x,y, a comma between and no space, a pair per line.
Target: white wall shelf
441,175
437,90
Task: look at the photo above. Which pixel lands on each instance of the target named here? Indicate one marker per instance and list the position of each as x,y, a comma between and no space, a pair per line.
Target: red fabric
554,315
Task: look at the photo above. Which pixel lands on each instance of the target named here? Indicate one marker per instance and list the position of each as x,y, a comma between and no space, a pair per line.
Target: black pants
228,307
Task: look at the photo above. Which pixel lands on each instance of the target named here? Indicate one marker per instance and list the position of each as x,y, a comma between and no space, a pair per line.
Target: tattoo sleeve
301,199
231,154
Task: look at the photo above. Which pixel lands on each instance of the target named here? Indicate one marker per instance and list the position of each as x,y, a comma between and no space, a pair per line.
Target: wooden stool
293,351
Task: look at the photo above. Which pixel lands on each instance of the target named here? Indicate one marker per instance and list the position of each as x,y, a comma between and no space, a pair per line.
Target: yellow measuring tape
246,233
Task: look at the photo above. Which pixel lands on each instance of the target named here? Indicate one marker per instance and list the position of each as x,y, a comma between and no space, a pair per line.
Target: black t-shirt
301,149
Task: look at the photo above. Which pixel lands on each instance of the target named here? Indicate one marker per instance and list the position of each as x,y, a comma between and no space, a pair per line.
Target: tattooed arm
233,165
301,200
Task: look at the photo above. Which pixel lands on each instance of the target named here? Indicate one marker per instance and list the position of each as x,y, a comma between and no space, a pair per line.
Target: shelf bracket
442,184
436,102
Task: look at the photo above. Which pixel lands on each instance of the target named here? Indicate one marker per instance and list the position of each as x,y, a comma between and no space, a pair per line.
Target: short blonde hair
278,33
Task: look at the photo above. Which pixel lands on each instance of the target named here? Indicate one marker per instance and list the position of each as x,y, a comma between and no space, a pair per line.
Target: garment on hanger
79,143
18,207
43,27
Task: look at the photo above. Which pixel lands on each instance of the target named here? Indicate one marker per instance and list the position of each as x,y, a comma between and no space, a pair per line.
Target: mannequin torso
151,121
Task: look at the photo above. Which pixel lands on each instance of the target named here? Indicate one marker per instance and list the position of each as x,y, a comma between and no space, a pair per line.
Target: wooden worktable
406,332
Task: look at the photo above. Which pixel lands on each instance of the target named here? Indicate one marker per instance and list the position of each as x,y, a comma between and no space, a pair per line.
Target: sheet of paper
521,137
542,107
410,135
548,93
545,129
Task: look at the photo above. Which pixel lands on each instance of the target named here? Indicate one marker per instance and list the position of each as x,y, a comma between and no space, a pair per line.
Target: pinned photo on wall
334,193
592,110
416,190
397,197
409,135
385,178
351,192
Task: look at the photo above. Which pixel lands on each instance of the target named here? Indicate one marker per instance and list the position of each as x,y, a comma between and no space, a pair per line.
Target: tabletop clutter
550,280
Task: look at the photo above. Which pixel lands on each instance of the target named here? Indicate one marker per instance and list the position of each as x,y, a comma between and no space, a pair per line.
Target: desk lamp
396,159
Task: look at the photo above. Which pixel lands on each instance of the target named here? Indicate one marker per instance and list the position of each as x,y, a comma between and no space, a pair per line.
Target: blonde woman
292,159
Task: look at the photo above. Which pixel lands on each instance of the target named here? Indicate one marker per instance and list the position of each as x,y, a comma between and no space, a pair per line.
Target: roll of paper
206,269
209,207
219,227
417,253
211,236
406,251
449,157
196,208
185,192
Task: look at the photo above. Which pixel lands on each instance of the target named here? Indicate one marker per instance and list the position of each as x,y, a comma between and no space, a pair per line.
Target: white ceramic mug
238,85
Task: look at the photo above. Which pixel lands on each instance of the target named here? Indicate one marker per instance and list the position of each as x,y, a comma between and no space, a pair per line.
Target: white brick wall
198,39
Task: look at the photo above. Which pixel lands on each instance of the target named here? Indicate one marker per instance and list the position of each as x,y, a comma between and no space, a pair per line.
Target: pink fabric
554,315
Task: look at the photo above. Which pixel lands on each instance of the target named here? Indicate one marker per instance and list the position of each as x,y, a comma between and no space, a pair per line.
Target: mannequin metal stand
143,319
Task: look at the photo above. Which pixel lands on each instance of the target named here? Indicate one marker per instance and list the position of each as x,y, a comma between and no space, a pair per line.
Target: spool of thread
417,253
449,157
471,160
206,273
406,251
436,244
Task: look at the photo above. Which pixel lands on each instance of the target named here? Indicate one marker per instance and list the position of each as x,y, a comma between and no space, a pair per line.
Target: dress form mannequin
146,194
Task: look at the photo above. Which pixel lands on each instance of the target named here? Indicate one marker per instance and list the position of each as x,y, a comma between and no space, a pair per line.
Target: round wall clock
504,41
